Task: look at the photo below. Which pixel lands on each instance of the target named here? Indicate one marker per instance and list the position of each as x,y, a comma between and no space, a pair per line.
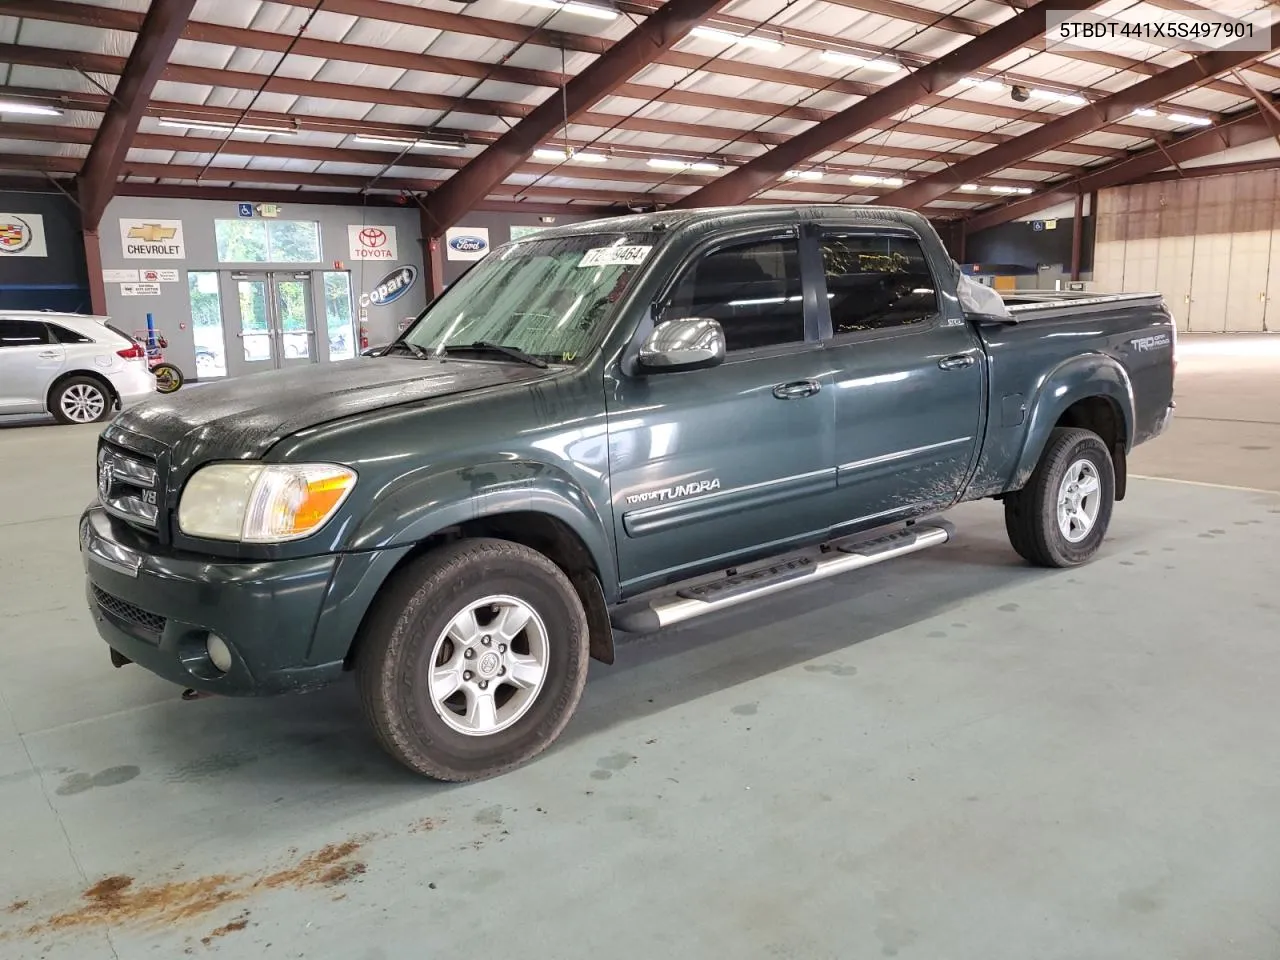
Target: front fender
1076,379
436,497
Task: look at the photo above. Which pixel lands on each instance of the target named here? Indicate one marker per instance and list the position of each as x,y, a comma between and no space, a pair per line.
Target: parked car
620,424
79,368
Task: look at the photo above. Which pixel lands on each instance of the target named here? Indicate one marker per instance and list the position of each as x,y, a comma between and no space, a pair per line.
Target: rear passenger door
909,375
709,465
29,362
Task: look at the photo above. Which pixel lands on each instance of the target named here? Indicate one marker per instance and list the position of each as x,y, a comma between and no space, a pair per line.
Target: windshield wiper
413,348
484,346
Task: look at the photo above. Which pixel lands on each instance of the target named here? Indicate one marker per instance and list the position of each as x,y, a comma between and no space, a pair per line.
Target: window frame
821,230
756,234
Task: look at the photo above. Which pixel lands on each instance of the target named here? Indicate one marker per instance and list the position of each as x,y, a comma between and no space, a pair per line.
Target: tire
411,631
1031,516
81,400
169,378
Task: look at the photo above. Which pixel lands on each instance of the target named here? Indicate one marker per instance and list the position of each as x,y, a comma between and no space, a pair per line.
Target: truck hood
244,417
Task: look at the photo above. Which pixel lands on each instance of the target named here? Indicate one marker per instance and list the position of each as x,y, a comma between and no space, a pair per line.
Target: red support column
1077,236
93,260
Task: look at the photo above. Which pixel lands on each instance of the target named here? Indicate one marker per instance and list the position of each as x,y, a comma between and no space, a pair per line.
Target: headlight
260,502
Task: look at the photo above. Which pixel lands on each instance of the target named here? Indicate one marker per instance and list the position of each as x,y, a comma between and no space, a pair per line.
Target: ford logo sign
393,286
469,244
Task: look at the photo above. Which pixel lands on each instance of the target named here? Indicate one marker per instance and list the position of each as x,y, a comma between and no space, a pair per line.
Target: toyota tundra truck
615,425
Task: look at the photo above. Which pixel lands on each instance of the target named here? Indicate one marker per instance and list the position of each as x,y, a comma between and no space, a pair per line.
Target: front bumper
288,623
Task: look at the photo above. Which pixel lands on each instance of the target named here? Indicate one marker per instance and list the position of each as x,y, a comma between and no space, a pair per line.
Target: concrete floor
953,756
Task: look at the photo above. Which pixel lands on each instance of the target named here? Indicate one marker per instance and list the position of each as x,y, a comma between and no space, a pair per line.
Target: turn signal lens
262,503
132,353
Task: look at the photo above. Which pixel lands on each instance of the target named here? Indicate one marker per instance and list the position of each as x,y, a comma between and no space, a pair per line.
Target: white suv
78,368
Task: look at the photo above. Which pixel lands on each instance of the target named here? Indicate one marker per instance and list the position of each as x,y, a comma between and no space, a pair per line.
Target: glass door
274,326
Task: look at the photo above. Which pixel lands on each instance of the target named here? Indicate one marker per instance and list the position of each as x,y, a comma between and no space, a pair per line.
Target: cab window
752,288
877,282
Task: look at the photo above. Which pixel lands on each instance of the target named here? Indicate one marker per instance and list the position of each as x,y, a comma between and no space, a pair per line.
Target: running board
819,563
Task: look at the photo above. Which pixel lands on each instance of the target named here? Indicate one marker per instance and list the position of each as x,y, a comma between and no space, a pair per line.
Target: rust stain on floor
119,900
234,926
17,906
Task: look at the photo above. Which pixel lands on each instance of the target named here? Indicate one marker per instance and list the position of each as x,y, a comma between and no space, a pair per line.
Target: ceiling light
883,64
403,142
1004,189
215,126
573,6
562,156
880,181
740,39
982,83
29,109
968,187
803,175
665,163
1145,112
1059,97
1187,118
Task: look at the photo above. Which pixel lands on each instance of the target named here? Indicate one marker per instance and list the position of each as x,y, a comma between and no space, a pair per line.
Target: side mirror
683,345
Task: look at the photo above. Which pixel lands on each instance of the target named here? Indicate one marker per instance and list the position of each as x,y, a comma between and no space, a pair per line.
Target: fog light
219,653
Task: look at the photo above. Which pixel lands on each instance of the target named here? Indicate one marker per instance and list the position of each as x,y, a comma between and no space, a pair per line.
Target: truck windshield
548,299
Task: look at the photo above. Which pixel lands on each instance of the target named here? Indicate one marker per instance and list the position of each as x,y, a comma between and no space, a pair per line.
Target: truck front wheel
1060,517
473,660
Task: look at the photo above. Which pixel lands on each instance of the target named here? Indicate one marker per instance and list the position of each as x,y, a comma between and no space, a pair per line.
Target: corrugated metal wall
1211,246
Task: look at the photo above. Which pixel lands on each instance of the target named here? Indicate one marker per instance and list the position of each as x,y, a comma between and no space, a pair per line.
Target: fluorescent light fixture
1060,97
573,6
563,156
968,187
882,64
29,109
982,83
1004,189
1188,118
739,39
402,142
215,126
803,175
1146,112
665,163
881,181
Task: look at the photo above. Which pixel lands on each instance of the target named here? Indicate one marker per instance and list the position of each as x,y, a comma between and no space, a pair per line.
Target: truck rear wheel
1060,517
474,659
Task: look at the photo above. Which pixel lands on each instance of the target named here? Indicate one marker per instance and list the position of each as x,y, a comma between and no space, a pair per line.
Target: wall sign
244,209
152,239
372,242
119,276
22,235
140,289
466,243
158,276
391,287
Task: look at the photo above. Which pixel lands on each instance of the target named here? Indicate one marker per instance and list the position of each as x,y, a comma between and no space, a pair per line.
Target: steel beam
632,53
156,38
1246,127
759,174
1072,126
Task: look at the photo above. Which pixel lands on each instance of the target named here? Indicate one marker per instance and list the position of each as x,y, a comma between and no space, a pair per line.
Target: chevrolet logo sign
152,233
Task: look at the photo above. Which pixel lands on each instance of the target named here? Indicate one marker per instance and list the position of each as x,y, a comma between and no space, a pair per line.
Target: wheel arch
1092,392
62,378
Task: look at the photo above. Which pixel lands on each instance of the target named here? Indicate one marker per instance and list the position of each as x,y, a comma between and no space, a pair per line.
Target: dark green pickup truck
615,425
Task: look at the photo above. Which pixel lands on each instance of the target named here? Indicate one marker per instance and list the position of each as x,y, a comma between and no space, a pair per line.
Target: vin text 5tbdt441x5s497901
620,424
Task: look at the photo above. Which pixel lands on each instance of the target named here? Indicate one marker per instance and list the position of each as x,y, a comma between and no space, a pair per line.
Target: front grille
144,623
129,485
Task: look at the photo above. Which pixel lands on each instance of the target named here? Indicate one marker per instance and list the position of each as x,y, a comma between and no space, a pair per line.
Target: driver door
710,467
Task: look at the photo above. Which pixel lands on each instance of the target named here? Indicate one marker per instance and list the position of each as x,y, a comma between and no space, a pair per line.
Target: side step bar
828,560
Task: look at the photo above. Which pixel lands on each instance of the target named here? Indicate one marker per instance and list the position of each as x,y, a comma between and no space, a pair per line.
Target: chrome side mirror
689,344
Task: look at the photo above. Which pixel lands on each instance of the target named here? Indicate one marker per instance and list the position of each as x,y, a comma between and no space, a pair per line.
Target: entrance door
274,326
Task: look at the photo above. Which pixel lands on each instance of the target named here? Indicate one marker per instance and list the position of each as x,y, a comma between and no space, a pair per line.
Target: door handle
796,390
48,354
958,362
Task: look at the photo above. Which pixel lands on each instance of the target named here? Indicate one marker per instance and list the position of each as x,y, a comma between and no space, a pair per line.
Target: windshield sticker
614,256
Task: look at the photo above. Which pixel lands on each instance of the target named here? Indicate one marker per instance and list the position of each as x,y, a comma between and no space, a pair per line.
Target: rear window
63,335
118,332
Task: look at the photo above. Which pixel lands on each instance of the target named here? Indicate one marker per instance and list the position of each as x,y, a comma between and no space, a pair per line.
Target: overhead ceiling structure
954,107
